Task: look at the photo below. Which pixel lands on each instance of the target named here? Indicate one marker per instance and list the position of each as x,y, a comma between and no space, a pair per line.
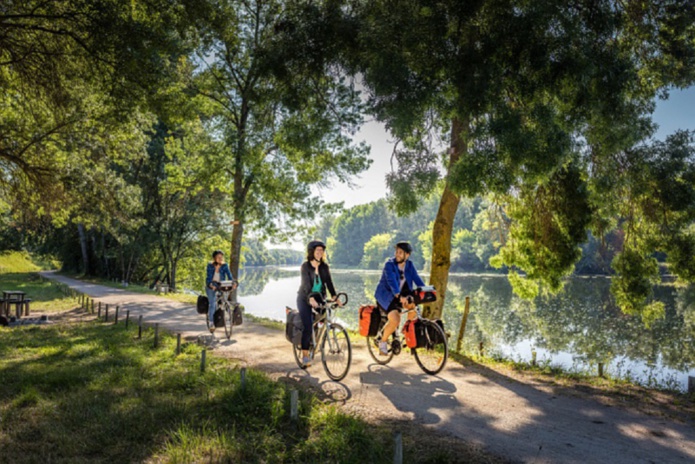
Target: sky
678,112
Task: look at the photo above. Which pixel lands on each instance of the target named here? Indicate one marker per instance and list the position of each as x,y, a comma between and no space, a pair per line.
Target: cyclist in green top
316,278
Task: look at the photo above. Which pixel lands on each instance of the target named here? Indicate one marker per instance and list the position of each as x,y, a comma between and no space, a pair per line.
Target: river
575,330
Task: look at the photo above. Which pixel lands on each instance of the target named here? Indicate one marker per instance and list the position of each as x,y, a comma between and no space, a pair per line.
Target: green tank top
316,288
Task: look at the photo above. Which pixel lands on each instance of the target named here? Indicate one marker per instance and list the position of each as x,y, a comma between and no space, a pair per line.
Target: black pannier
428,336
426,294
202,304
218,318
237,318
293,327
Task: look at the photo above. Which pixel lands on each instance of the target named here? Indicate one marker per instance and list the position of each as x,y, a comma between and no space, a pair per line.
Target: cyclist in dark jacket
316,279
216,272
398,279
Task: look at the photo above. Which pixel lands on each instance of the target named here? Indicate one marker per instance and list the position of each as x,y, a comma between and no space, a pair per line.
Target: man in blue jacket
398,279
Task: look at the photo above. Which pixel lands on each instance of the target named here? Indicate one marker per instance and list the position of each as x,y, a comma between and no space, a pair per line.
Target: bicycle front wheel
432,357
228,321
336,352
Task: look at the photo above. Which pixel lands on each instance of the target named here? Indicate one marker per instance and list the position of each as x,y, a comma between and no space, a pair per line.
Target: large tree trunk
83,248
235,255
444,225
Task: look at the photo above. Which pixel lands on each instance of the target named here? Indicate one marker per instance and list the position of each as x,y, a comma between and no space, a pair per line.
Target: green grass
91,392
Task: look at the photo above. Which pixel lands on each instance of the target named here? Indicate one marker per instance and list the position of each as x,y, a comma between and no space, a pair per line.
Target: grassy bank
94,392
18,271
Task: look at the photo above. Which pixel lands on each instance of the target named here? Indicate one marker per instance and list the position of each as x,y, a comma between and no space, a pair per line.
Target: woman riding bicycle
217,271
396,284
316,277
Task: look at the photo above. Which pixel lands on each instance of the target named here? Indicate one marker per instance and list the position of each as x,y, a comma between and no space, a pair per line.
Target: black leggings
307,319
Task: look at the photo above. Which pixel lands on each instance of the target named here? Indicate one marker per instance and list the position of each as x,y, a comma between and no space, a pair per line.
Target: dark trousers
307,319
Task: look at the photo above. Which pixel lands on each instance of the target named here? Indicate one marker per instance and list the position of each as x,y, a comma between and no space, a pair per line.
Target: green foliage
376,250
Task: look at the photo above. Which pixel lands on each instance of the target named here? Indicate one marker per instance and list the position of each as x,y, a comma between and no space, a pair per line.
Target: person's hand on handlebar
313,302
335,300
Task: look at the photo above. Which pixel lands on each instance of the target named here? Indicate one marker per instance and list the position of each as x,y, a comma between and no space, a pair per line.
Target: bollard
600,369
127,318
106,314
202,361
691,384
398,448
140,327
115,320
178,344
294,404
243,378
533,358
464,321
156,334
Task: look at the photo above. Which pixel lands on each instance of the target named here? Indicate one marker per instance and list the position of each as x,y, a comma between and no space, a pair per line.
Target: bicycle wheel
336,352
228,320
432,357
373,346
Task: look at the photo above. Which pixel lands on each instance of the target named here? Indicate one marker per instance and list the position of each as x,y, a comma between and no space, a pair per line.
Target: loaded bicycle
227,314
425,337
328,337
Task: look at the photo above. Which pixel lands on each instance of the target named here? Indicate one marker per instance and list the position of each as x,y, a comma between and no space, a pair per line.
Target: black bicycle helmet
216,252
405,246
314,244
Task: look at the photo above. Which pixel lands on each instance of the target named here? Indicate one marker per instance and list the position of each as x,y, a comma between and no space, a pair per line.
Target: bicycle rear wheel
373,346
432,357
336,352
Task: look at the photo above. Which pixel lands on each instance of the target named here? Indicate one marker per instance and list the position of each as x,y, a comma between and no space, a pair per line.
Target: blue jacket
389,285
225,273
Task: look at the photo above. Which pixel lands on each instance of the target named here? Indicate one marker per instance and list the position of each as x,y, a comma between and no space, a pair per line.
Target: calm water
576,329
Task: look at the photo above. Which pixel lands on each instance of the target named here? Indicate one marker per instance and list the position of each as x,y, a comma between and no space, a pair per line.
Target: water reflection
576,329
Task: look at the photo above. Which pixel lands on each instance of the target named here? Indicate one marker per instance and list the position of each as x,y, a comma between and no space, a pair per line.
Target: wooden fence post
140,327
156,334
178,344
294,404
398,448
127,317
202,360
106,314
115,321
464,321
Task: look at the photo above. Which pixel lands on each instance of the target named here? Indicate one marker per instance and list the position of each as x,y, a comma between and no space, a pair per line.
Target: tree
519,92
376,250
284,115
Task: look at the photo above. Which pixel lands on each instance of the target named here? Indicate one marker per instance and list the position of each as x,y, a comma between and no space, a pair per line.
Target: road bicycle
431,356
223,294
330,338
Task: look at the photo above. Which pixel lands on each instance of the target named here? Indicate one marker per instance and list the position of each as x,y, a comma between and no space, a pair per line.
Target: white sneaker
383,349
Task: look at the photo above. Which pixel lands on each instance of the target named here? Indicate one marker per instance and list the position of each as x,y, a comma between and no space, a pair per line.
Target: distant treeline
364,236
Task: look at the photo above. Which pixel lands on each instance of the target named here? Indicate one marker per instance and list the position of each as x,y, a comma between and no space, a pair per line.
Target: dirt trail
526,423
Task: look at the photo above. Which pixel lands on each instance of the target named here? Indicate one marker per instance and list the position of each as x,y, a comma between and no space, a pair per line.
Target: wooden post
464,321
156,334
99,312
294,404
92,299
243,379
178,344
398,448
127,317
533,358
481,349
140,327
202,361
115,320
600,369
106,314
691,384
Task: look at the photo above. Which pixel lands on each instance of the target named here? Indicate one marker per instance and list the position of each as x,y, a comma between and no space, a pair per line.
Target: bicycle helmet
315,244
405,246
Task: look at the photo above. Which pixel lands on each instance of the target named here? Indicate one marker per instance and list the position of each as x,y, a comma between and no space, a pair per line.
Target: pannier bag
237,318
411,329
293,327
369,320
426,294
202,304
436,336
218,318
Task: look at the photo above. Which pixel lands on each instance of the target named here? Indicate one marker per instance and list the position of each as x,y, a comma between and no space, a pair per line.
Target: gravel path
523,422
